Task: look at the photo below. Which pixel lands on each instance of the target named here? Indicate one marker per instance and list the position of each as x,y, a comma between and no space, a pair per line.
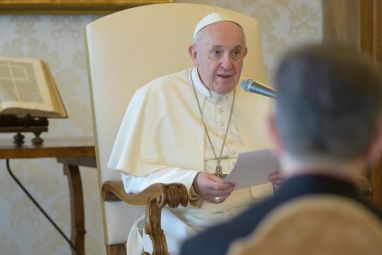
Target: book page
252,168
25,89
54,95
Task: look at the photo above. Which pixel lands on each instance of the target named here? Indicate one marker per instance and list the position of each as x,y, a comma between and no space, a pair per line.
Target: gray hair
329,102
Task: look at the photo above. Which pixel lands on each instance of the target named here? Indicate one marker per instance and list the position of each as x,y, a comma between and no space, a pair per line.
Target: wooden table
72,153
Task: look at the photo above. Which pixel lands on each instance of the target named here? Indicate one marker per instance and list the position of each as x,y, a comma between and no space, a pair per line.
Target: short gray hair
329,102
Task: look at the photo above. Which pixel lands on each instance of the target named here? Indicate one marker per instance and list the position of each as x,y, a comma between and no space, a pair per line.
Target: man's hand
276,178
211,188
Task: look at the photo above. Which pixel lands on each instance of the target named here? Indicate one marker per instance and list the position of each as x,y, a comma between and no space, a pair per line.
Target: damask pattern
59,41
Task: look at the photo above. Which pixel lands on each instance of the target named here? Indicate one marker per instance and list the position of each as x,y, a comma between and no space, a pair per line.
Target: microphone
252,86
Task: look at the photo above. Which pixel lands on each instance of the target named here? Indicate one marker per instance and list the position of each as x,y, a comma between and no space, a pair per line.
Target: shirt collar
316,183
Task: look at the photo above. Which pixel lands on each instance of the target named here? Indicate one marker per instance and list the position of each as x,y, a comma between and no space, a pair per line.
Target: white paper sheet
253,168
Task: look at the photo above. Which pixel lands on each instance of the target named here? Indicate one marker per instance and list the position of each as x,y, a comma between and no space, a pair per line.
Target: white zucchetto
211,18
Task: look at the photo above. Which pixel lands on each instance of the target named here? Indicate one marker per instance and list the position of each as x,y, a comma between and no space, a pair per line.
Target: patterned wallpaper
59,40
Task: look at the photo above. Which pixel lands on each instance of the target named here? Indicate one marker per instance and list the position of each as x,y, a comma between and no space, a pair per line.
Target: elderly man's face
218,54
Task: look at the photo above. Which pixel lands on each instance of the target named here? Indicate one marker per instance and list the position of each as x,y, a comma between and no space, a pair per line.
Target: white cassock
162,139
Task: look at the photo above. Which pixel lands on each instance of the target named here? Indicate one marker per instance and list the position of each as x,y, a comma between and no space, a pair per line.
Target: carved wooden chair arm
365,187
154,197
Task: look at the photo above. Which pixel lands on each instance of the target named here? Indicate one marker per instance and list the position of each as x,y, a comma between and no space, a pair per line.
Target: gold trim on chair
70,6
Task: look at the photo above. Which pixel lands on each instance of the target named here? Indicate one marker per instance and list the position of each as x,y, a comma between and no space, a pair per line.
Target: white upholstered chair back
129,48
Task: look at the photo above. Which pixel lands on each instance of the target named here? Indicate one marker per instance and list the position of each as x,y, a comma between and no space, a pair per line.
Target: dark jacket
217,239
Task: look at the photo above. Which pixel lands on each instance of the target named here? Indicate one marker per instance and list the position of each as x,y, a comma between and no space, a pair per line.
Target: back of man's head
329,102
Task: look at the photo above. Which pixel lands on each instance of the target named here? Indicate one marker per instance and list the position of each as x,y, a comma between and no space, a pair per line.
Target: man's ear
245,51
193,54
375,151
274,134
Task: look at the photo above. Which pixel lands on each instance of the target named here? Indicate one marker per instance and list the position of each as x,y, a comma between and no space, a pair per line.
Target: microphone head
245,84
256,87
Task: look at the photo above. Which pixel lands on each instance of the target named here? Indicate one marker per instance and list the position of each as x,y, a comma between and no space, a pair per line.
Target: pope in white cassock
188,126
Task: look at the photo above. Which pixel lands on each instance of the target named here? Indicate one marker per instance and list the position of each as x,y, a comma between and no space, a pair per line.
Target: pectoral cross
219,172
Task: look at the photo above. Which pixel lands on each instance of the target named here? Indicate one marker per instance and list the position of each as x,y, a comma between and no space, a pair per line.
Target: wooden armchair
155,197
317,224
126,50
365,187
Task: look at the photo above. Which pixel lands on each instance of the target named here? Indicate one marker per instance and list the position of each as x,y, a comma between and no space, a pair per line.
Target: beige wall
59,41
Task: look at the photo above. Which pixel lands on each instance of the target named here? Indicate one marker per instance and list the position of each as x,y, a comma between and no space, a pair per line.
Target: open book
27,87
